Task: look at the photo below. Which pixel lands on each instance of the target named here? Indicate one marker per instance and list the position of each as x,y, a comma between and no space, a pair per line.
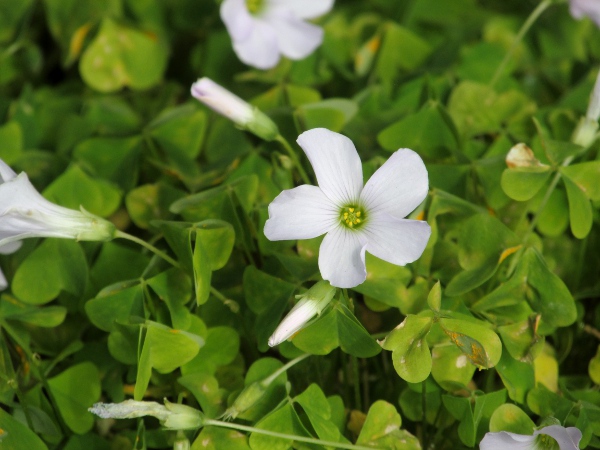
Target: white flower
24,213
583,8
311,304
567,439
356,219
262,30
241,113
586,132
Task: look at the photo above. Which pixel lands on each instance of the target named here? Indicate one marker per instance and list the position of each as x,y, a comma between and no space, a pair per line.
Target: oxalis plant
299,224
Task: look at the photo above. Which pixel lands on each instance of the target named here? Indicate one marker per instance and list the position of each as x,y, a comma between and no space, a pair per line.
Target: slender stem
424,415
292,154
356,381
291,437
152,248
536,216
284,368
524,29
231,304
591,330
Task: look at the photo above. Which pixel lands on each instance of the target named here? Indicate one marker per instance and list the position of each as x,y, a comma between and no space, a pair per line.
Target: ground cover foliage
500,323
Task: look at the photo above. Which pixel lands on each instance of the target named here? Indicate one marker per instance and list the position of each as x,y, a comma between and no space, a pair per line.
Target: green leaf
450,367
382,419
215,438
116,303
221,347
426,130
481,345
401,50
123,57
333,114
74,188
336,327
113,159
150,202
11,137
165,349
546,292
315,405
217,239
181,129
585,176
205,389
511,418
283,420
17,436
517,377
434,299
594,367
274,394
522,183
55,266
174,288
521,339
202,272
411,355
580,210
47,317
74,391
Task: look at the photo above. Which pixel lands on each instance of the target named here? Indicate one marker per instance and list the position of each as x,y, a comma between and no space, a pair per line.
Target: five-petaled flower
586,8
546,438
356,219
24,213
262,30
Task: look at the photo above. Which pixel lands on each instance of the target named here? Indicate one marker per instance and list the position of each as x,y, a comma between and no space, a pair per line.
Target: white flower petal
583,8
7,249
336,164
6,173
260,48
399,241
397,187
3,282
503,440
305,9
342,257
300,213
567,438
296,39
237,19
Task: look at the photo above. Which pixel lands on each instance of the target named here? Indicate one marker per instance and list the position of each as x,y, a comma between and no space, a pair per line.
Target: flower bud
244,115
246,399
311,303
587,129
172,416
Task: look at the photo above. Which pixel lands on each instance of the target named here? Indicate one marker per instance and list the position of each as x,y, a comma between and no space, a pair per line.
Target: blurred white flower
567,439
310,304
586,131
262,30
586,8
244,115
356,219
24,213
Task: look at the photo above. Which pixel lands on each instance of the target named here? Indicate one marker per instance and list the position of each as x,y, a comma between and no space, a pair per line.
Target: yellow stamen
351,209
358,214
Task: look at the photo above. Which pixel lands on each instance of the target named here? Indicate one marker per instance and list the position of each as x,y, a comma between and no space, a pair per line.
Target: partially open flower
262,30
545,439
355,219
24,213
244,115
587,129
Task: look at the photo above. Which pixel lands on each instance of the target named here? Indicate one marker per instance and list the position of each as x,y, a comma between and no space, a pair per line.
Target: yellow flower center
254,6
352,216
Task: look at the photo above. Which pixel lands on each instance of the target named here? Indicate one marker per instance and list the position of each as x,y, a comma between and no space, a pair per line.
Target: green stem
267,381
292,154
536,216
524,29
356,380
231,304
152,248
291,437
